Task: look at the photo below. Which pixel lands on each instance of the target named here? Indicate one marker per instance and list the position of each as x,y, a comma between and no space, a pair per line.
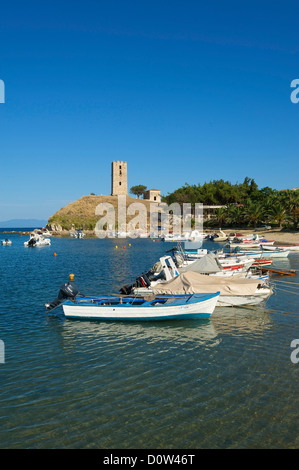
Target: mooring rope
285,290
268,310
283,312
286,282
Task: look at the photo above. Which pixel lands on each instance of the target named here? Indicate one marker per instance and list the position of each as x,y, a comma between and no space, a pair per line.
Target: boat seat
170,301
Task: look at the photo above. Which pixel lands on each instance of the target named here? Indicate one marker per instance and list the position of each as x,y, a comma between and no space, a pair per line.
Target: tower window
120,167
120,183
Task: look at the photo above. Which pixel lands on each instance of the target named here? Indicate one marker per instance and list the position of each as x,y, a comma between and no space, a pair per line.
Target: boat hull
200,307
275,254
268,253
235,301
48,243
289,247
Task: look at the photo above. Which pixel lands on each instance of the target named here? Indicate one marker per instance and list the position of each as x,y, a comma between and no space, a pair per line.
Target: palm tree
235,214
221,216
254,212
279,214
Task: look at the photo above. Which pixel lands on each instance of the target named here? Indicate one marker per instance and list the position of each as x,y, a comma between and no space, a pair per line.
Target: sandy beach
280,237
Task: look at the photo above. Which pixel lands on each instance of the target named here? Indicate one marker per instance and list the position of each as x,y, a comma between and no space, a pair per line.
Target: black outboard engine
69,290
142,281
32,242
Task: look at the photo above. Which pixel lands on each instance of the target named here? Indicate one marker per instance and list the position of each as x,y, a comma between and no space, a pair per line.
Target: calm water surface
227,382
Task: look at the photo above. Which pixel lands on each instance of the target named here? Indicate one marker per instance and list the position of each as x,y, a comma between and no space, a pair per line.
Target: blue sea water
228,382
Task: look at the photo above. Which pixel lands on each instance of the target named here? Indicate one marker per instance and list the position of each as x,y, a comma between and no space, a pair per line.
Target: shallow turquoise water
224,383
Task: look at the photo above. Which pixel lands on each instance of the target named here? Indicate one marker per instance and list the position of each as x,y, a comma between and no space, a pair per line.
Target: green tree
138,190
254,212
221,216
279,214
235,214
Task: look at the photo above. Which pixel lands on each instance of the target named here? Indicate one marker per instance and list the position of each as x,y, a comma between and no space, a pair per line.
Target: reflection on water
199,332
241,320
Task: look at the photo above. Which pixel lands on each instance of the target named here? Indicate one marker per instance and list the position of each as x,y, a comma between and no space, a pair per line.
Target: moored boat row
183,284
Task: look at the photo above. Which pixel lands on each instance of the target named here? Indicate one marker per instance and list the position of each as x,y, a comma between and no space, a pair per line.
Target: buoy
71,276
55,254
124,247
129,244
116,246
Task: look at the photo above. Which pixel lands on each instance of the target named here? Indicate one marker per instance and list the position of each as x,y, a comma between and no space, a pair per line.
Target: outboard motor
69,290
142,281
32,242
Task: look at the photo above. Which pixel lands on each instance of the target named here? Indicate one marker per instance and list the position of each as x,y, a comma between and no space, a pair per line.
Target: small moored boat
37,240
289,247
195,306
233,291
218,237
6,242
77,234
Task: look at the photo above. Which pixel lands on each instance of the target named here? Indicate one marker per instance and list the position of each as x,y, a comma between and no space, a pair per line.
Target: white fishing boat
212,265
242,254
228,261
279,248
274,253
218,237
271,253
77,234
36,239
238,235
251,241
289,247
234,291
192,254
156,308
6,242
262,262
173,238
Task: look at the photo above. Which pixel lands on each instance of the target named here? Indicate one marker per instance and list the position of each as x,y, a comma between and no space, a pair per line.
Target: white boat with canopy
36,239
234,291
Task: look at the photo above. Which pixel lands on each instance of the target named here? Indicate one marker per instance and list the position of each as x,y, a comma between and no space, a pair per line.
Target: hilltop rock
81,213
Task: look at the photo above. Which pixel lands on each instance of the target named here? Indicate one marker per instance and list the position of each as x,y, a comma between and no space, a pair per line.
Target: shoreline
279,236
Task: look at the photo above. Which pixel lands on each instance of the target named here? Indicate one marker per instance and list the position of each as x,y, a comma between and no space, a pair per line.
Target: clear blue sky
184,91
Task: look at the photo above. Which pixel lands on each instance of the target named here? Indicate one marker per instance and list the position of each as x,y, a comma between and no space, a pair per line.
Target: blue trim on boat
128,302
203,316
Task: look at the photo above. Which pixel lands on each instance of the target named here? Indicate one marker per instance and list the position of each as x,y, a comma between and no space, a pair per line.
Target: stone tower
119,183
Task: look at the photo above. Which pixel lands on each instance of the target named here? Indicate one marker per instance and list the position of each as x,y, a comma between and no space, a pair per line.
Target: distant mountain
20,223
